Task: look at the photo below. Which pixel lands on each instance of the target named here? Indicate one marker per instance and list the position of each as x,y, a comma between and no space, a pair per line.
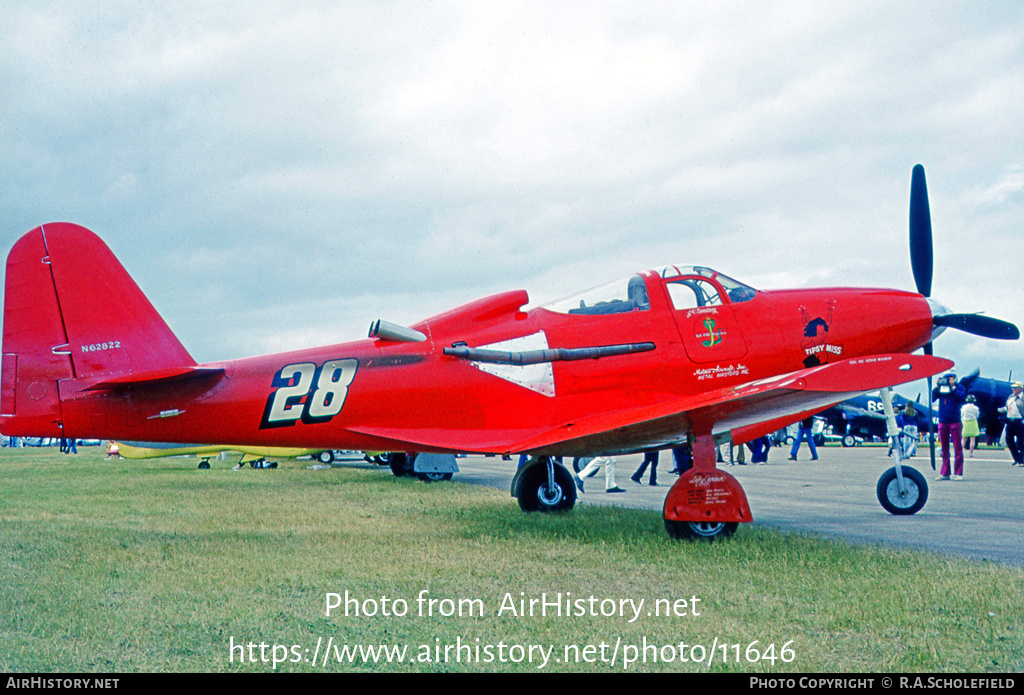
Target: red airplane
658,359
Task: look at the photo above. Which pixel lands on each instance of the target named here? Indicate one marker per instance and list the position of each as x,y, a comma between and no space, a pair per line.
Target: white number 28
305,392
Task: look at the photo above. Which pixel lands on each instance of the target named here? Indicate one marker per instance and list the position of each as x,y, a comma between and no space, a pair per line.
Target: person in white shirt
969,415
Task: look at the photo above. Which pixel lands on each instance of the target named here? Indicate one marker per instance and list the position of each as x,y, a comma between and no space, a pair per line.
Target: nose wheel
902,497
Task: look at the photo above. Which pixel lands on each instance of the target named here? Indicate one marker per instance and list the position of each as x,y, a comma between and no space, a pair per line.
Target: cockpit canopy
688,287
694,286
618,297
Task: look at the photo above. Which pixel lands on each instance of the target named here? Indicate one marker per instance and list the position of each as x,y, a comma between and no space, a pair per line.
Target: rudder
71,311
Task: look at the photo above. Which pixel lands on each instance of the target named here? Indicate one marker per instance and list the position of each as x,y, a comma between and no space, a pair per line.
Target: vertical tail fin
71,311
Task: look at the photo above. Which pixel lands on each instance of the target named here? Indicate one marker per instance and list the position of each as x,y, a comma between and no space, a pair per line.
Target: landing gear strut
901,489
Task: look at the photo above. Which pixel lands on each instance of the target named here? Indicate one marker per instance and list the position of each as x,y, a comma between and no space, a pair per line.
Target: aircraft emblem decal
715,337
814,342
307,393
707,332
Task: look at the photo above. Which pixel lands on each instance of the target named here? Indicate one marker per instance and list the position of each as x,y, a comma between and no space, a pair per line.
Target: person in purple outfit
951,397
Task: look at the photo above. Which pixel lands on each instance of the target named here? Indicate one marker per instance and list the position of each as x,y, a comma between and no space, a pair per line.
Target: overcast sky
278,175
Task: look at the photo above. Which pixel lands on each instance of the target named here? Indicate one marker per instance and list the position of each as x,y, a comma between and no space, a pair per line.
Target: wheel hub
902,499
549,497
706,528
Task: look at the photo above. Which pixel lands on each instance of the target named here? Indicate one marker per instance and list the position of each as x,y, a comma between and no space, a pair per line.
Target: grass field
117,566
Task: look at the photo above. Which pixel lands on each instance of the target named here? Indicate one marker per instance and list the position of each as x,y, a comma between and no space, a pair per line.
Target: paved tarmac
981,517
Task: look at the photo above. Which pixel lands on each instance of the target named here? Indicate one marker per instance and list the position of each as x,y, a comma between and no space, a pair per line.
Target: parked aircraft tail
73,315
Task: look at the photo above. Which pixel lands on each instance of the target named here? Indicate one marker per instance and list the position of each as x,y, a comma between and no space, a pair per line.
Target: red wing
432,439
747,411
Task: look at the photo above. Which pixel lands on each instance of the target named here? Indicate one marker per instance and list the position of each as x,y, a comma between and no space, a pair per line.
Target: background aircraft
863,417
991,394
250,455
662,357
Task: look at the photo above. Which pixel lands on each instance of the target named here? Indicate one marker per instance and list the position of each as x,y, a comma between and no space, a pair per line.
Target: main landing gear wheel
204,464
325,457
706,503
849,440
536,496
911,500
700,530
398,463
434,476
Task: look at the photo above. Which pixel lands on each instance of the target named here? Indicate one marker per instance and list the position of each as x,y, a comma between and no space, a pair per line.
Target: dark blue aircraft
863,418
991,394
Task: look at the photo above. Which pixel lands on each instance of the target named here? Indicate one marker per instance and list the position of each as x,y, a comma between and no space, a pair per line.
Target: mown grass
156,566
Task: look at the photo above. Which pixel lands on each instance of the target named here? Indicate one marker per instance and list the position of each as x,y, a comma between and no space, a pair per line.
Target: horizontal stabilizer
156,377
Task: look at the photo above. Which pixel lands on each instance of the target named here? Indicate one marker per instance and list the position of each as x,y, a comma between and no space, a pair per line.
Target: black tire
398,464
204,464
888,491
534,495
325,456
700,530
849,440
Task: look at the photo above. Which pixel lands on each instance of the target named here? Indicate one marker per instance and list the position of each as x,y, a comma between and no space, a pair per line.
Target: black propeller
976,324
921,263
920,232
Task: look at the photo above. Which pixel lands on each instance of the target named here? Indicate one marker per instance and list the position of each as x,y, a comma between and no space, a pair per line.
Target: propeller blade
969,379
976,324
920,232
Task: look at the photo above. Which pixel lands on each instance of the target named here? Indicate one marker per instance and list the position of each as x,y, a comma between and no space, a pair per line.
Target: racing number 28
308,393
